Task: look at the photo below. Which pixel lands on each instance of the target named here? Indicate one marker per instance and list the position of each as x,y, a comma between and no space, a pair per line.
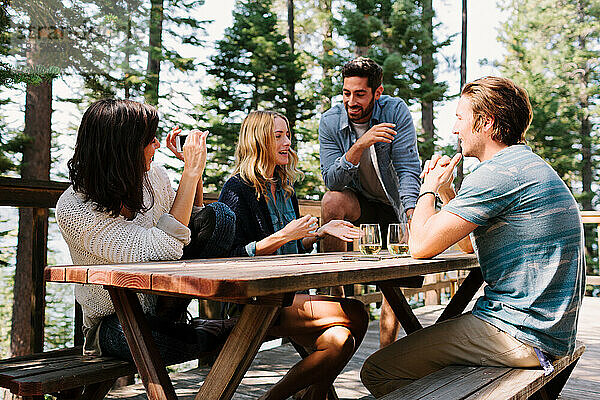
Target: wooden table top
243,278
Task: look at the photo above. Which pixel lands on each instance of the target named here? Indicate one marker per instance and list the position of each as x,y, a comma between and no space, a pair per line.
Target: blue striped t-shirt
529,242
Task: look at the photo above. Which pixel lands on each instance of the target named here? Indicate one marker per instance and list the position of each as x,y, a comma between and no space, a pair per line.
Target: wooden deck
270,365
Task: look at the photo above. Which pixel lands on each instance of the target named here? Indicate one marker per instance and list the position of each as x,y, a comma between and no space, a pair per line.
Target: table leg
463,295
139,338
238,352
397,301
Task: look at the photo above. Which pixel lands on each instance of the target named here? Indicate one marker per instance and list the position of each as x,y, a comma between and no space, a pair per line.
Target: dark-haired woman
262,196
121,208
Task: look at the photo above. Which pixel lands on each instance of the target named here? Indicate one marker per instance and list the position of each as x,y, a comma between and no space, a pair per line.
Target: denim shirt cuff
251,249
347,164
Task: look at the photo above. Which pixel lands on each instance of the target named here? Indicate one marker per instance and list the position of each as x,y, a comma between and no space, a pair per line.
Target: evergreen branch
30,75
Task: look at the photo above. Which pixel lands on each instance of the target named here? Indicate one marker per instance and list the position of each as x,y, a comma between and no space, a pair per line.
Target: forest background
58,56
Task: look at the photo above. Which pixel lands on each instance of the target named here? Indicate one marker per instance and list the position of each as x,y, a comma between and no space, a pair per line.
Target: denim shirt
397,164
282,213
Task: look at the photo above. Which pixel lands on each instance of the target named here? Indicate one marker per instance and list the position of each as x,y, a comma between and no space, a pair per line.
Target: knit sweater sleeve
96,237
234,195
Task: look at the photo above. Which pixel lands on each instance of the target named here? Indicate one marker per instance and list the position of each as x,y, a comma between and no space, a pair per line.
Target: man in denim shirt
369,161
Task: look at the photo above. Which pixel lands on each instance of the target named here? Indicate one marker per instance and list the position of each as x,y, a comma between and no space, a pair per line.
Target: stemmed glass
370,239
397,240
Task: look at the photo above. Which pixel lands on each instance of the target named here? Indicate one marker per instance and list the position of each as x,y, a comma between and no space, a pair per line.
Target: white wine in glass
370,239
397,240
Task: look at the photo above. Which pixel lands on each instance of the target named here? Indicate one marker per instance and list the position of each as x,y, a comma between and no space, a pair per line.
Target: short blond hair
505,102
255,153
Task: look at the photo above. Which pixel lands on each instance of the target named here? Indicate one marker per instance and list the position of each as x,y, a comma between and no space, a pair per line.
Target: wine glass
397,240
370,239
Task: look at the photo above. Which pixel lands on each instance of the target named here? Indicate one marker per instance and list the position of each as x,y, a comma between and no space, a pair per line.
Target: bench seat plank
55,381
453,382
522,383
490,383
59,370
42,356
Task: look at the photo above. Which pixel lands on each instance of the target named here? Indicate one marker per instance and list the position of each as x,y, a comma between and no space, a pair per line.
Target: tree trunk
154,52
327,80
361,51
127,83
463,81
27,331
291,109
428,67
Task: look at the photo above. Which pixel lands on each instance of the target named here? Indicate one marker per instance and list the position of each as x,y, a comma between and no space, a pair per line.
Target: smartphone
180,140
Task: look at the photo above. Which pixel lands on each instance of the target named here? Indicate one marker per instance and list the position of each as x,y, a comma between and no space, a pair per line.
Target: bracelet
424,193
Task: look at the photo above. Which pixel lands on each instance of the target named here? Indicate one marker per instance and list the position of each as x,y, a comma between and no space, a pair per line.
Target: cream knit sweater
95,237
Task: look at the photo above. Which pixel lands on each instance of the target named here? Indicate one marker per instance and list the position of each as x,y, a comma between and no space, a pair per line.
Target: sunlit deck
270,365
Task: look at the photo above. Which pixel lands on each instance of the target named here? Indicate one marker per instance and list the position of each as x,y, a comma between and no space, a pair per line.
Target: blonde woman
262,196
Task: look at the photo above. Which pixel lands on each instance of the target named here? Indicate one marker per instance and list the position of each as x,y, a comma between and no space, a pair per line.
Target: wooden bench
491,383
65,373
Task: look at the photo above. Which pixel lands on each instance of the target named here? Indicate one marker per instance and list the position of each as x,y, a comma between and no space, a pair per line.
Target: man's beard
366,113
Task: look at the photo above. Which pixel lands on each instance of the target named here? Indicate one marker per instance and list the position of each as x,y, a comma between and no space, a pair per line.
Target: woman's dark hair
108,166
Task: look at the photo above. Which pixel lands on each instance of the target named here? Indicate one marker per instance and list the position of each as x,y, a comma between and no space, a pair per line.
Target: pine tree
553,51
12,143
253,69
399,36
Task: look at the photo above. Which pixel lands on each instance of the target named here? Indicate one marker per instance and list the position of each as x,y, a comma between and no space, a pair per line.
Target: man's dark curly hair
108,166
365,68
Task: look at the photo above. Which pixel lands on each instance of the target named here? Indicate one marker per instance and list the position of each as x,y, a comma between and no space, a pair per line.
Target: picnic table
264,285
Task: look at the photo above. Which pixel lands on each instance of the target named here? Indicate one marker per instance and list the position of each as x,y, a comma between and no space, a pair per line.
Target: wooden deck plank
270,365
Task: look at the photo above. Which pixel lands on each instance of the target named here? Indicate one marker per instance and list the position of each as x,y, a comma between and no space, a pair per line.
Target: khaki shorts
465,340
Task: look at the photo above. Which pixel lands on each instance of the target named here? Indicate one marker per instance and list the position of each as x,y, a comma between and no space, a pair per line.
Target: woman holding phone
121,208
262,196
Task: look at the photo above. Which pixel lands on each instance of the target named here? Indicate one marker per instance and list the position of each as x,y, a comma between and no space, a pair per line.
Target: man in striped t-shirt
519,217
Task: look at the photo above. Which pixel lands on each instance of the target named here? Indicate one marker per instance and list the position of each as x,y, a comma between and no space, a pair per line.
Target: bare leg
338,205
333,328
388,325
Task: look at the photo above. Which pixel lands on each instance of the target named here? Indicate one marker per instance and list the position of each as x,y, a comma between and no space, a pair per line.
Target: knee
373,378
334,205
339,341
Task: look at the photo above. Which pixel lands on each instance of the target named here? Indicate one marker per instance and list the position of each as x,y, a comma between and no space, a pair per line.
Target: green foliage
553,51
32,75
6,294
60,306
395,34
12,143
254,68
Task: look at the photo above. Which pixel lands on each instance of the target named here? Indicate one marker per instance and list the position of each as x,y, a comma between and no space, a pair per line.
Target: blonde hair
255,153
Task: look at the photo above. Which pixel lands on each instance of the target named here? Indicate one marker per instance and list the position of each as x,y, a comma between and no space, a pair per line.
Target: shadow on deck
270,365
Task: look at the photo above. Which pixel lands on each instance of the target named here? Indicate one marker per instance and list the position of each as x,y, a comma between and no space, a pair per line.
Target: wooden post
432,297
27,334
39,260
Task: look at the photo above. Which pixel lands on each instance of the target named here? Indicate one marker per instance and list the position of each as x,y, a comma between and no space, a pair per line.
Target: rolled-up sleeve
168,224
405,157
